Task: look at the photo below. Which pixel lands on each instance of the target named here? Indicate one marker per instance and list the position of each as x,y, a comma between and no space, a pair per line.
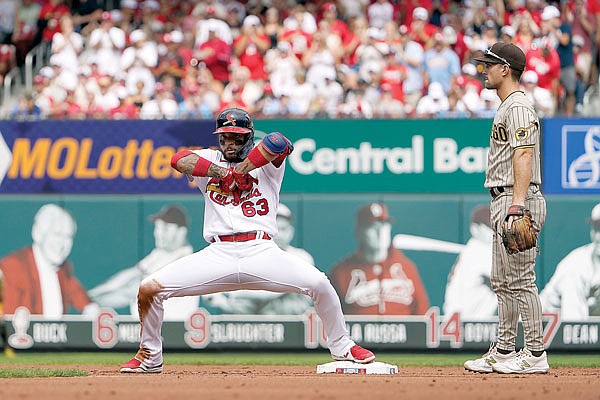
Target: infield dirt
293,382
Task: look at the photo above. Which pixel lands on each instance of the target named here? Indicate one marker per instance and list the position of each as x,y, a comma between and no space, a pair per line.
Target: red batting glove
227,182
244,182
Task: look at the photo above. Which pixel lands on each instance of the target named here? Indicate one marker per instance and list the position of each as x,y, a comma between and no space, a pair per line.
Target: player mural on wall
469,290
240,183
40,277
378,278
170,243
574,289
261,301
7,350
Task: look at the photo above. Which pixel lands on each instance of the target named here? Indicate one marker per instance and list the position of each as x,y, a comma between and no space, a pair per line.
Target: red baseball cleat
135,366
356,354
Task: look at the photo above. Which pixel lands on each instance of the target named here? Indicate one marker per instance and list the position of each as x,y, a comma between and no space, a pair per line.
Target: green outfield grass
433,359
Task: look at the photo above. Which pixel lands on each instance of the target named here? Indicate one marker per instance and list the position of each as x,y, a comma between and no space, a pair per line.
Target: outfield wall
112,176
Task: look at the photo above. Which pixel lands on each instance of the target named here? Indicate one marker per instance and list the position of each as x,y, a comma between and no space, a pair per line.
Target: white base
349,367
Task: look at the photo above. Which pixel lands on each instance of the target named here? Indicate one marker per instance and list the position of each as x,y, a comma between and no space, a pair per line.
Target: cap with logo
372,212
504,53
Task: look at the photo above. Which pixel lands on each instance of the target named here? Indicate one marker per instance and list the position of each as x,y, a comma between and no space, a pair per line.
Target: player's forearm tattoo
186,165
244,167
214,171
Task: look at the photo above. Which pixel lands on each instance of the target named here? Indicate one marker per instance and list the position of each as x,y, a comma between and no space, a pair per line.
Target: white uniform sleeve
566,292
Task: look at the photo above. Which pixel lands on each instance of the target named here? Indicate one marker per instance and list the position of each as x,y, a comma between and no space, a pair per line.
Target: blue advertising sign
571,156
96,156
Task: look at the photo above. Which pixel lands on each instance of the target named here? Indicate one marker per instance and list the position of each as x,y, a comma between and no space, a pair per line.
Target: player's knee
148,289
322,285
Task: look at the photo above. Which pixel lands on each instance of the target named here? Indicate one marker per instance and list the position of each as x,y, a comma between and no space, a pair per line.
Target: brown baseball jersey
516,124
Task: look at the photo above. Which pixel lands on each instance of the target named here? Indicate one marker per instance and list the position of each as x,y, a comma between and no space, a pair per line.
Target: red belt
242,237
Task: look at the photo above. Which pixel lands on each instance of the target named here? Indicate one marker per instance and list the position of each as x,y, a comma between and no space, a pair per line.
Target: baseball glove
521,233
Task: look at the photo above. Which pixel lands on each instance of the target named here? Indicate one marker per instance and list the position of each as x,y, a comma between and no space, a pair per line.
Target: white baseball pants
227,266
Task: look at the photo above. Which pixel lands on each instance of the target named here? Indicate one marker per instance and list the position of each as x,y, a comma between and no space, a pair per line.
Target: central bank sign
401,156
366,159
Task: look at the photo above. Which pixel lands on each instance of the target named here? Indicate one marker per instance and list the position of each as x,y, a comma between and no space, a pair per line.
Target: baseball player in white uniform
240,184
574,289
513,176
468,290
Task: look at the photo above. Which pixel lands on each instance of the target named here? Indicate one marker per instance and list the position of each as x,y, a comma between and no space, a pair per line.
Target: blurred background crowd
183,59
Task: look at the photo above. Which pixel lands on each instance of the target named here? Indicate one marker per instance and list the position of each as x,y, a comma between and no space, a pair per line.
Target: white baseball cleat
484,364
524,363
135,366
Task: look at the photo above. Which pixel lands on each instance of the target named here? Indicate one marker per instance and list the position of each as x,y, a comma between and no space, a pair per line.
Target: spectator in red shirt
358,34
49,18
299,39
216,55
525,35
250,47
337,26
420,29
393,76
544,60
7,60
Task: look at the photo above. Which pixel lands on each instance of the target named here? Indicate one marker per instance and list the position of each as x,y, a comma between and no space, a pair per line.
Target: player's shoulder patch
521,134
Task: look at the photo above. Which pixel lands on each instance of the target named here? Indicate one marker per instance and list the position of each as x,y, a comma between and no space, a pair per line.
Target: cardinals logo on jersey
224,197
365,292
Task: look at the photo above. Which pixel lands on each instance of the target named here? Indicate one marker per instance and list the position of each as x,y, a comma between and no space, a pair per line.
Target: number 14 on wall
452,329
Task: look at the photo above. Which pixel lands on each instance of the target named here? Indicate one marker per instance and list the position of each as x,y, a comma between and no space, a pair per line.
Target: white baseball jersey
572,289
468,290
257,210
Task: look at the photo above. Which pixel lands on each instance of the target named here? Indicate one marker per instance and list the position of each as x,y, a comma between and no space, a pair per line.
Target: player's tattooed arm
191,164
214,171
247,165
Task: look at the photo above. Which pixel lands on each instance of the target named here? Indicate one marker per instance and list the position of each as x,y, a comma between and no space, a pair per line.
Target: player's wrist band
201,167
178,156
257,158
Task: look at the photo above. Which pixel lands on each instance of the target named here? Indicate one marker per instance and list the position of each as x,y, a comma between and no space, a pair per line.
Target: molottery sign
96,156
330,156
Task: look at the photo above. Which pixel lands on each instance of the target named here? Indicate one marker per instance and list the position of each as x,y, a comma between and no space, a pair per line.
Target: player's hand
227,182
244,182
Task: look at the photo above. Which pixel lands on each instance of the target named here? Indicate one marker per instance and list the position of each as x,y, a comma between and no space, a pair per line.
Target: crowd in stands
184,59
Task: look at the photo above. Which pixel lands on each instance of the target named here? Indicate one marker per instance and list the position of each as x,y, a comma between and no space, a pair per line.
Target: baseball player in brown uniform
513,178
